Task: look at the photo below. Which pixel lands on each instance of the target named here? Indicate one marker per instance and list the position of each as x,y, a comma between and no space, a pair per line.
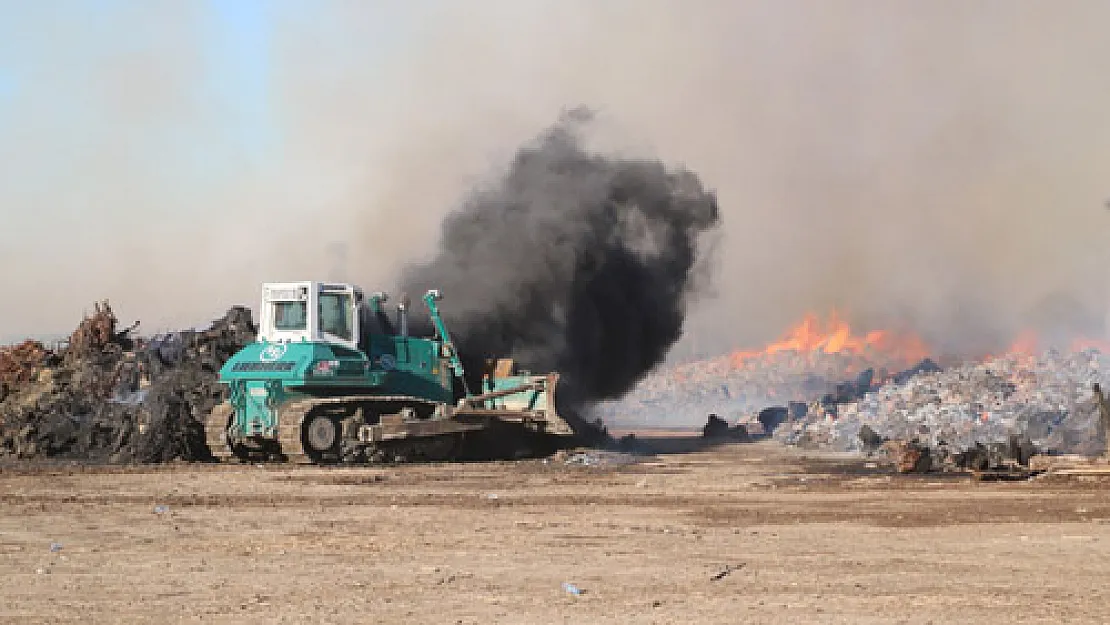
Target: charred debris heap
106,395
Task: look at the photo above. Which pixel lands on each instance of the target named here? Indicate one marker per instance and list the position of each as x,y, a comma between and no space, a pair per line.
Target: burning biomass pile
107,396
811,361
836,390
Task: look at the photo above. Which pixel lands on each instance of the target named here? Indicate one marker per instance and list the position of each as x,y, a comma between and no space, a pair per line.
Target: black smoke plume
573,261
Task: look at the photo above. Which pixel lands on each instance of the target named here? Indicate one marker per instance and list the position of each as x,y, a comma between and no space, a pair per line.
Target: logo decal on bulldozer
272,352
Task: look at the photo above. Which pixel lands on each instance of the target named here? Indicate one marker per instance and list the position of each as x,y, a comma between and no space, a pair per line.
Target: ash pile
106,395
967,416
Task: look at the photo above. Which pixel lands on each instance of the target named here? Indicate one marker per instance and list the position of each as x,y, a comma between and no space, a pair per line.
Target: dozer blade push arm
430,299
538,383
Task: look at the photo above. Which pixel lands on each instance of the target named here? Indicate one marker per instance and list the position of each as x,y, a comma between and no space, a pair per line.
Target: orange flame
811,336
1026,344
879,348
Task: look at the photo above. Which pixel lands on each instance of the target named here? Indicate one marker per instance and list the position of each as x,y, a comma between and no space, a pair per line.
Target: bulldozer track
293,421
290,423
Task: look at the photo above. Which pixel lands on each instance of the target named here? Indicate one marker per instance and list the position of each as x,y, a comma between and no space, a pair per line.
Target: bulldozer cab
314,312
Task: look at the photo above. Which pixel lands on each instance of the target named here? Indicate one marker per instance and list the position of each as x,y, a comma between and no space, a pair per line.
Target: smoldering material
573,261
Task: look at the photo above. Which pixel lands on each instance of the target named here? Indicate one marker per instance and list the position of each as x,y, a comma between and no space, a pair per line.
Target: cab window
290,315
336,313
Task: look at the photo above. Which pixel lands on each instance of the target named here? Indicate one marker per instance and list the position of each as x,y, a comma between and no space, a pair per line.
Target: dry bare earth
789,539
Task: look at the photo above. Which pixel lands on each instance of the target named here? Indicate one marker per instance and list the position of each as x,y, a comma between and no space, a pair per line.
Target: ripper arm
430,299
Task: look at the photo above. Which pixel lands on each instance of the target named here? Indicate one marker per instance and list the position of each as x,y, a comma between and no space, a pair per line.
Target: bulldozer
334,378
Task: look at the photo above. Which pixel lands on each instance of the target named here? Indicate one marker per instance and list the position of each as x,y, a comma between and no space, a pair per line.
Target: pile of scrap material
718,429
681,395
104,395
19,363
963,413
1012,457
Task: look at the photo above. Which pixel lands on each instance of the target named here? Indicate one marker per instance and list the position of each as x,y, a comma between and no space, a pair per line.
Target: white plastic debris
572,589
1047,398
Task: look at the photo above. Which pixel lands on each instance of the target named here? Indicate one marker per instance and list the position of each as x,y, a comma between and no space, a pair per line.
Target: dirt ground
742,533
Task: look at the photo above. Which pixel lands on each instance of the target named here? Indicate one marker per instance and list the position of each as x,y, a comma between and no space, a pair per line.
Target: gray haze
939,165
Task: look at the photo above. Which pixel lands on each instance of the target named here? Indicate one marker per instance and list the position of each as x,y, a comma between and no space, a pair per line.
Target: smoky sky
572,261
938,165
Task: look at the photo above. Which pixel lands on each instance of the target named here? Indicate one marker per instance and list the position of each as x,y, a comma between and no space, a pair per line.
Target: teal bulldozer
333,377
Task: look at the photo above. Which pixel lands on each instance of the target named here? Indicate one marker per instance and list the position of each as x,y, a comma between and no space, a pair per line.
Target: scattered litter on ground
726,571
596,458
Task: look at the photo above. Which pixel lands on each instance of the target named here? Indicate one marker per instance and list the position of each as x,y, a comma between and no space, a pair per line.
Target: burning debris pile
1044,400
880,393
810,363
107,396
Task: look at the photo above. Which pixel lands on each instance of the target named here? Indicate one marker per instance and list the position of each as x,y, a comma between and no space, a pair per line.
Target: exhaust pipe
403,314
